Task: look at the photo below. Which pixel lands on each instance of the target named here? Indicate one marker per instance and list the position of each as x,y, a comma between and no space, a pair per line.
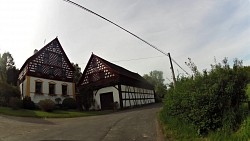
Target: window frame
64,84
52,83
39,81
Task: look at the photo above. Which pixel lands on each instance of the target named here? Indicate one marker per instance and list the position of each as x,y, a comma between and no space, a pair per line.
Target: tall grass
243,134
175,129
248,91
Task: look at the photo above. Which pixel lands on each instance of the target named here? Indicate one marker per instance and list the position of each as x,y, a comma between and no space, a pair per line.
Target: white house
47,74
103,84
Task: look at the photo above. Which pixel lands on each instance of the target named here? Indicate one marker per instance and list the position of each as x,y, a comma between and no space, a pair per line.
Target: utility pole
172,69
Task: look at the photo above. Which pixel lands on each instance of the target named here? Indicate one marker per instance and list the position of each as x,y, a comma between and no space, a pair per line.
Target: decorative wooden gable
50,62
96,70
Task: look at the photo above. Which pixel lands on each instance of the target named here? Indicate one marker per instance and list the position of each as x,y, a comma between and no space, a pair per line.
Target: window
52,89
51,71
64,73
39,86
59,60
46,57
39,68
64,90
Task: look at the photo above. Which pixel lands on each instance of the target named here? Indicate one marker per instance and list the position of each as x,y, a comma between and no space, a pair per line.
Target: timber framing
50,62
132,89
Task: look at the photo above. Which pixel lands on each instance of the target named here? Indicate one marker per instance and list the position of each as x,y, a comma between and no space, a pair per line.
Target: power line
115,25
137,59
179,66
88,10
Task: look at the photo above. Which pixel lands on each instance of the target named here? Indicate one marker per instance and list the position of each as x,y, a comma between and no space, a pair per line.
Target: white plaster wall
58,89
106,90
24,87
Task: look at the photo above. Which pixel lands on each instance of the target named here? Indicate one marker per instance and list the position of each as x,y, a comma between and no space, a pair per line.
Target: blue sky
199,29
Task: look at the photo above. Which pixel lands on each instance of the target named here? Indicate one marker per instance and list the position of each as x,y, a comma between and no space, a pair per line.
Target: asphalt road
138,124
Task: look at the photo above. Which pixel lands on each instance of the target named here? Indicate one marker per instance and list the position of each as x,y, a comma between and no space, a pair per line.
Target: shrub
46,105
15,103
58,100
6,92
28,103
209,100
69,103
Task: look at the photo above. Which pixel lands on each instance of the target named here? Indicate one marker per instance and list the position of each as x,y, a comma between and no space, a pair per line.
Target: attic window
94,64
46,56
39,68
51,71
59,60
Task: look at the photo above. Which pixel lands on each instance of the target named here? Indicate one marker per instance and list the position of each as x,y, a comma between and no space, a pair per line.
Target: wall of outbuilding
131,96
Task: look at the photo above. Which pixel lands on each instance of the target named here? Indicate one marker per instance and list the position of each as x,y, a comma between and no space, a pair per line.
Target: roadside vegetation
155,78
209,105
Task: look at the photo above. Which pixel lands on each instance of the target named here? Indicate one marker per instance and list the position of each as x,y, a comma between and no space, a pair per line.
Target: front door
107,101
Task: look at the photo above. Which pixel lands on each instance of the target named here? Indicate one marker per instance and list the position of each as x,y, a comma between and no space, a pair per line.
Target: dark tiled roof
122,72
37,53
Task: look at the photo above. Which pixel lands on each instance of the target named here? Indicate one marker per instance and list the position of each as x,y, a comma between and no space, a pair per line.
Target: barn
47,74
104,85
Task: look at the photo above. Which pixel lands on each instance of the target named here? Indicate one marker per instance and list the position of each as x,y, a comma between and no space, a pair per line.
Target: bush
209,100
15,103
28,103
6,92
69,103
47,105
58,100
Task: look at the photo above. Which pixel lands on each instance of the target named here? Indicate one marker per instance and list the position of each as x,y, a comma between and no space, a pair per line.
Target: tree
247,69
12,75
156,78
77,74
6,62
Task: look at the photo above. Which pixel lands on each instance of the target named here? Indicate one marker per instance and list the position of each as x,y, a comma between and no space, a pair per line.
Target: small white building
103,84
47,74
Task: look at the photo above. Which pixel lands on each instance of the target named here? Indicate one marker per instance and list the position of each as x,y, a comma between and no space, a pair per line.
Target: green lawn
54,114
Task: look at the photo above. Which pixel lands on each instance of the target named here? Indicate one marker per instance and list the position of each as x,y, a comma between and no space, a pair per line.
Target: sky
198,29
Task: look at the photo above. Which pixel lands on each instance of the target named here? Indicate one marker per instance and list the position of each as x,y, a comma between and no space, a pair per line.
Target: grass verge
54,114
175,129
242,134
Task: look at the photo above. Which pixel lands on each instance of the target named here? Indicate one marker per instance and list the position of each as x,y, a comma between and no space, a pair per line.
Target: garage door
107,101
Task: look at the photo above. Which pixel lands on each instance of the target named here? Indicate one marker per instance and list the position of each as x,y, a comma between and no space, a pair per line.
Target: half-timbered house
104,84
47,74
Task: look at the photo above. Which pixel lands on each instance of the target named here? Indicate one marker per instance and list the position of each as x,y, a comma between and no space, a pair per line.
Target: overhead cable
88,10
